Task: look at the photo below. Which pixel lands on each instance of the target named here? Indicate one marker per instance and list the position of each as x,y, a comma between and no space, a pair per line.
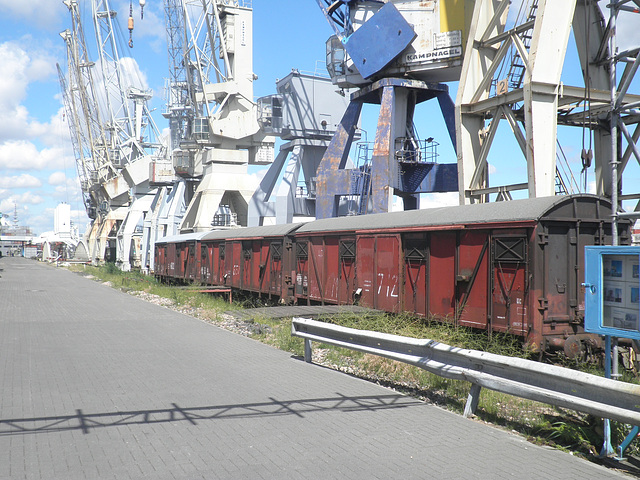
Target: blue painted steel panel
448,109
437,178
381,39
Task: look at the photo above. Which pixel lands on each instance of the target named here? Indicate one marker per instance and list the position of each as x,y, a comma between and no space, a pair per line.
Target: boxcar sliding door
346,271
416,266
472,290
274,265
442,251
378,272
510,287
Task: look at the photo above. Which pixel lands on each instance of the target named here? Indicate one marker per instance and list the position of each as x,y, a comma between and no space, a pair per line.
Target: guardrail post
627,441
307,350
607,448
472,400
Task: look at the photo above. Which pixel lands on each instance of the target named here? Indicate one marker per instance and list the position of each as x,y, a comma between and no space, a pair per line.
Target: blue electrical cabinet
612,291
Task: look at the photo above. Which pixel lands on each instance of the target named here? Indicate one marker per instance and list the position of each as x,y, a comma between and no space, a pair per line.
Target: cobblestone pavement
98,384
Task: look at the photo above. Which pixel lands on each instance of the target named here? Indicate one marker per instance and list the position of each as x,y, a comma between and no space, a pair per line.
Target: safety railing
550,384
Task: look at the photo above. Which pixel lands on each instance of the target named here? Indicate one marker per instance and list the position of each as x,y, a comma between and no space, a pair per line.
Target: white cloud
435,200
41,12
254,179
23,155
20,69
40,222
28,198
13,84
57,178
131,74
69,192
56,132
21,181
628,32
21,200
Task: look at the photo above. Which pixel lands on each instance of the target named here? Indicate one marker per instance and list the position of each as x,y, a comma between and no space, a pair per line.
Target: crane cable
130,24
587,154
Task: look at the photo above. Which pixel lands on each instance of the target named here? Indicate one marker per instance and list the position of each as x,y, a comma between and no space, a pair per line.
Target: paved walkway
98,384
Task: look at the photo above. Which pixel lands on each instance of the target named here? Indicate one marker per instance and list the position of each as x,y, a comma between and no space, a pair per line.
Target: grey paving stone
99,384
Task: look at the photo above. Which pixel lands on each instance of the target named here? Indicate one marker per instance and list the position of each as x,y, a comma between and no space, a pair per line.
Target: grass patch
138,282
446,332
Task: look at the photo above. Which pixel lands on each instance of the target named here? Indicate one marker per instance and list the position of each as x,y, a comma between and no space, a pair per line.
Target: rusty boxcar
512,266
255,259
178,258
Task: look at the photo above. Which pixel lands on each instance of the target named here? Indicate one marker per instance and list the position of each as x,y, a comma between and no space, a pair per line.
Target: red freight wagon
512,266
255,259
181,257
161,261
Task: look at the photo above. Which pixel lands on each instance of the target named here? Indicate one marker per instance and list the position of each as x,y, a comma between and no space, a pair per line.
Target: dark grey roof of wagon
181,238
508,211
251,232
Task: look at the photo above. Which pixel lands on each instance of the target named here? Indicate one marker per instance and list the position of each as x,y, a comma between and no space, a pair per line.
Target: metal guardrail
550,384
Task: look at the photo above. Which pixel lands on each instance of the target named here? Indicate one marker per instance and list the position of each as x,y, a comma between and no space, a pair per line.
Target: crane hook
130,24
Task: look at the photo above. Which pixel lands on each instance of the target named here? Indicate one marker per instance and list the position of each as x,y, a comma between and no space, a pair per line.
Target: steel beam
546,59
332,179
397,99
383,169
489,18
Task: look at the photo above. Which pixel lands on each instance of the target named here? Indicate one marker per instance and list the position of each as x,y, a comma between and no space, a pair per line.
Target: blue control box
612,291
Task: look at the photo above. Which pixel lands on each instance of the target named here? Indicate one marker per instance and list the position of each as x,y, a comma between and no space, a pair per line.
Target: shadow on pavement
194,415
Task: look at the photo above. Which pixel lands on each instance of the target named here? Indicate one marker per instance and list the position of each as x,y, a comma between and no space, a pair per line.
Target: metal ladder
361,178
517,68
516,76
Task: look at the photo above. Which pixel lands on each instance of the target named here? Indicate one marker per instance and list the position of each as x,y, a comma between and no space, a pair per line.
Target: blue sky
37,166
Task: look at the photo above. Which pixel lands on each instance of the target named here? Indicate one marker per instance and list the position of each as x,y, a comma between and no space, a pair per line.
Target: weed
111,269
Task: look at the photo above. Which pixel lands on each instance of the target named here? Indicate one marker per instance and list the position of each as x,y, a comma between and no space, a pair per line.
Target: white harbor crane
83,114
220,133
115,137
304,114
213,122
170,201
